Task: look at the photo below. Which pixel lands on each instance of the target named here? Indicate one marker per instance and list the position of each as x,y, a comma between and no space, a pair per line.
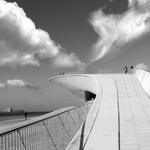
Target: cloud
142,66
3,86
21,83
117,31
14,61
21,43
65,60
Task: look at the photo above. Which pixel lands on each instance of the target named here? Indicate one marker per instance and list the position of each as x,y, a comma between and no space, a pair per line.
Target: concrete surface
120,116
144,78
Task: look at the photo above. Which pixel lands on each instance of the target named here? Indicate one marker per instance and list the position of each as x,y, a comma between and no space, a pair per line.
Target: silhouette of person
131,67
125,69
25,115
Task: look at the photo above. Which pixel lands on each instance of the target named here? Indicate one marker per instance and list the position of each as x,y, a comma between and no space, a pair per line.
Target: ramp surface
120,116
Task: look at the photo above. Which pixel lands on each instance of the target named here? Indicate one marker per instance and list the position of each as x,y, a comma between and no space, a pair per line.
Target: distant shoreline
19,115
22,113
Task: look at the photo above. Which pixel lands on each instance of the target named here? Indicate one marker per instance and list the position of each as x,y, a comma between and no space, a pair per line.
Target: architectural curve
144,78
76,84
76,81
119,117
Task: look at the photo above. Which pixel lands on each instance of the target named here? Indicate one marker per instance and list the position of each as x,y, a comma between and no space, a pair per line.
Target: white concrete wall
144,78
76,82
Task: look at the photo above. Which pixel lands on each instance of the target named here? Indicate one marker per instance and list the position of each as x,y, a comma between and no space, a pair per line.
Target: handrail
35,120
51,131
99,71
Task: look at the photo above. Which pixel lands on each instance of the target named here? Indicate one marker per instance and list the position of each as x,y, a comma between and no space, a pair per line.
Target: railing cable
22,140
72,118
63,126
49,135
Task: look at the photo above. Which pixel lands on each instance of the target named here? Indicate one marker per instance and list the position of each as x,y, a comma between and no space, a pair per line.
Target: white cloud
16,82
3,86
142,66
116,31
15,60
137,2
65,60
20,38
21,83
21,43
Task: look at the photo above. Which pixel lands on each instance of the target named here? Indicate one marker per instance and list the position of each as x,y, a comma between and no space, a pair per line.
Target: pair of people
126,69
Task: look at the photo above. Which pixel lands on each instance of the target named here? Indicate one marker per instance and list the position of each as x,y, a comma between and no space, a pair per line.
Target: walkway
120,116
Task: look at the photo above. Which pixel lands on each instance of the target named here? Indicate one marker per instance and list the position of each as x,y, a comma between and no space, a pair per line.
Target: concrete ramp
144,78
120,116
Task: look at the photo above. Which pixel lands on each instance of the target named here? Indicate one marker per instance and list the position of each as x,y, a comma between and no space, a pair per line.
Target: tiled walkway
134,107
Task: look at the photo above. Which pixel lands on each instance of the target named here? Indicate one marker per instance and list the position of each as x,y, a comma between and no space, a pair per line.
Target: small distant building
9,109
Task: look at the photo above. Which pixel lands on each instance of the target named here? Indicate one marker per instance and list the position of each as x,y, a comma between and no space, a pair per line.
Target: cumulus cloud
3,86
142,66
65,60
21,43
21,83
116,31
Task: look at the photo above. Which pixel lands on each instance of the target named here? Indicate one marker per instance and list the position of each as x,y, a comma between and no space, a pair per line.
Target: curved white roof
119,117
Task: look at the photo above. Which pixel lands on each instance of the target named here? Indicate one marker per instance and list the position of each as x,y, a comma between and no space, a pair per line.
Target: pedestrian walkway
120,116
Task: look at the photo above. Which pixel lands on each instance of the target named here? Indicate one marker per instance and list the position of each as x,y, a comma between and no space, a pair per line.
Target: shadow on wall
83,95
89,96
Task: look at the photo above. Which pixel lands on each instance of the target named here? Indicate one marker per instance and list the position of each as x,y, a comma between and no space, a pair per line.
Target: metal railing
52,132
110,71
100,71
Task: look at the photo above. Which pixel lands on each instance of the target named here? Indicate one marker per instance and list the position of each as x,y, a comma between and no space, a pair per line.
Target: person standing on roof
125,69
131,68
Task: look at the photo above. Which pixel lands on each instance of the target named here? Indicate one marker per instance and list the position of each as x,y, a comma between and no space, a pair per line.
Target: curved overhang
76,82
102,87
144,78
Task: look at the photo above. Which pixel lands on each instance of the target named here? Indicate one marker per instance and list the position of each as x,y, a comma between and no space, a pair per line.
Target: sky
40,39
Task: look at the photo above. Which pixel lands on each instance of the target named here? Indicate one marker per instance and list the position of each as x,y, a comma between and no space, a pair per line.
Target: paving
119,118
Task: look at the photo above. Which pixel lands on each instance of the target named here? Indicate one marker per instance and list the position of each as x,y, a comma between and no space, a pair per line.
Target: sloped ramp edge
144,78
82,82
